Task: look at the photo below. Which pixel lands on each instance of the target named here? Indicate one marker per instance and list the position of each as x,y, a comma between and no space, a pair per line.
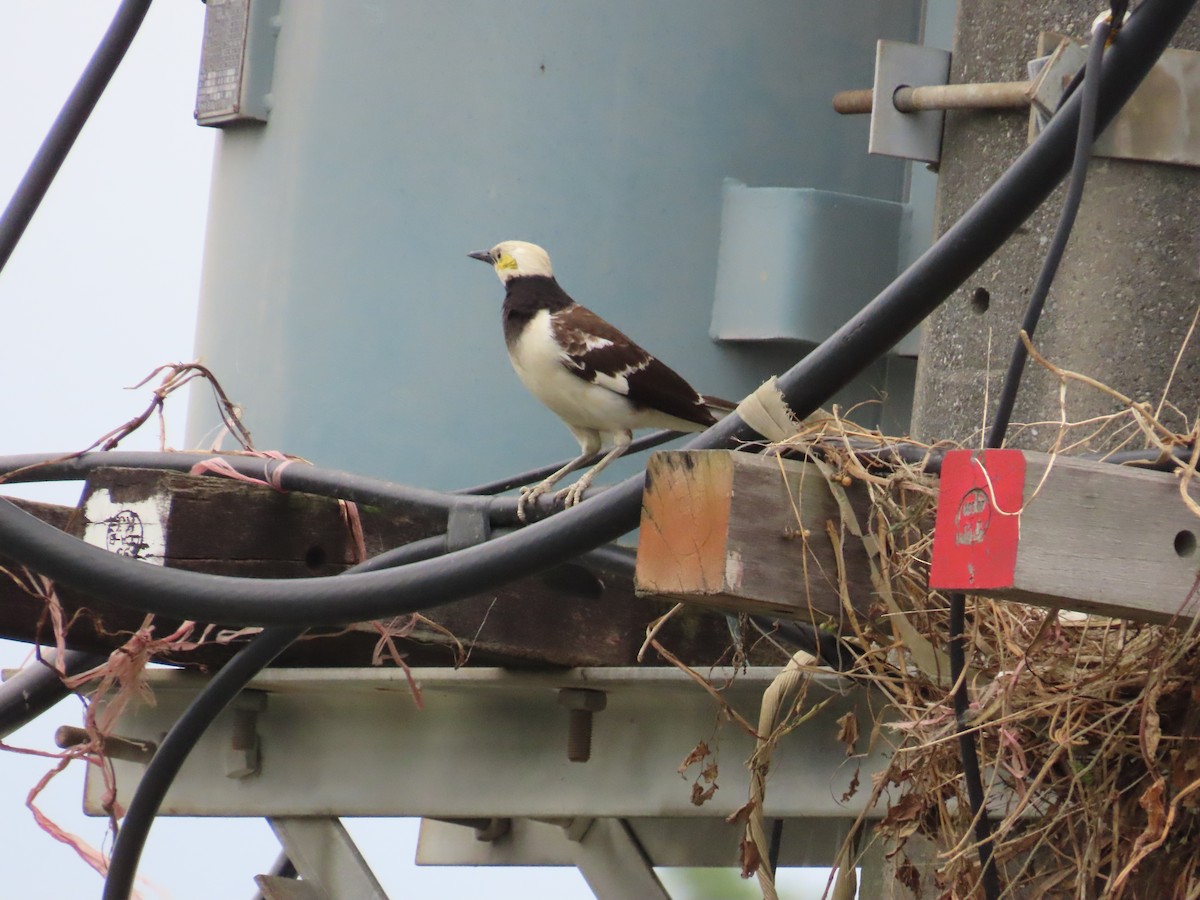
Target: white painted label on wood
134,529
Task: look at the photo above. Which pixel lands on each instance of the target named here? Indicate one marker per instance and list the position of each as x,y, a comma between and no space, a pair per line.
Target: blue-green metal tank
338,305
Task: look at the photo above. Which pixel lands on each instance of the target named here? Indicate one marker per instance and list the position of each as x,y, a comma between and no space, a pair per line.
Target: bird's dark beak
483,256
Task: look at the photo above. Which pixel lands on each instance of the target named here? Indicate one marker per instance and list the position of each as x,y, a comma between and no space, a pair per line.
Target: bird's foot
530,495
573,494
569,496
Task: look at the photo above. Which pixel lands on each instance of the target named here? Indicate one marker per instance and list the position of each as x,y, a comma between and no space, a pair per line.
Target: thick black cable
287,474
38,686
224,687
829,367
69,122
968,749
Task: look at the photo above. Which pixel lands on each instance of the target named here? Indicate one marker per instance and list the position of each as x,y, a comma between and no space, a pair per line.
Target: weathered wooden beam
568,616
1088,536
749,533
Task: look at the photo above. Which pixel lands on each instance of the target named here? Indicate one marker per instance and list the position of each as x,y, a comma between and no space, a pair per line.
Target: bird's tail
718,407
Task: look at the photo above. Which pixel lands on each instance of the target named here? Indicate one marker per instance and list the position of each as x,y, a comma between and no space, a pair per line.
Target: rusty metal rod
989,95
68,736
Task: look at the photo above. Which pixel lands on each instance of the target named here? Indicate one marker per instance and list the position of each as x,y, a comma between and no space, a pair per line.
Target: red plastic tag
977,530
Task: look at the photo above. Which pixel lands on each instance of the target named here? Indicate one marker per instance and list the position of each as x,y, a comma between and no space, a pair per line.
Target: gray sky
101,290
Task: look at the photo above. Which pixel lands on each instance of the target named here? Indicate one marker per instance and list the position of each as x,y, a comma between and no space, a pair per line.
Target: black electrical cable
70,121
1086,134
38,686
175,747
775,846
224,687
521,479
968,750
287,474
829,367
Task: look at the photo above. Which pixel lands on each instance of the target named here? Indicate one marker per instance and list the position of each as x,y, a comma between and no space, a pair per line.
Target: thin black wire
1058,245
70,121
968,750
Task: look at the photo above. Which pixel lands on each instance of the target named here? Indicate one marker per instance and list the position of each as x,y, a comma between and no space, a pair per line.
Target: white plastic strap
768,413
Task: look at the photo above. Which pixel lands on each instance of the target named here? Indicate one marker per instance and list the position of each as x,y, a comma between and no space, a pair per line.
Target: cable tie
218,466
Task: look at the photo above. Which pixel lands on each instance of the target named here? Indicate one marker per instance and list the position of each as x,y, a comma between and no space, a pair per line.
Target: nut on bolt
581,704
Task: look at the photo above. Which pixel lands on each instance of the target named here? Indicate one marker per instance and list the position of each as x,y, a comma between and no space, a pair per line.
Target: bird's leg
530,494
572,495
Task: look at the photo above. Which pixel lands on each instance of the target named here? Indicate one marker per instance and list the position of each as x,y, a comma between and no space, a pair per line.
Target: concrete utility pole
1127,289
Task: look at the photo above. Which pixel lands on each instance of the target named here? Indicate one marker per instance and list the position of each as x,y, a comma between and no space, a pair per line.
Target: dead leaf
741,815
848,732
751,858
852,789
909,876
699,754
1156,814
904,816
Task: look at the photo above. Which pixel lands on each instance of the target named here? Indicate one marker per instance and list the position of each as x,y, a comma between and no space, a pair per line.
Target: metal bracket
1159,123
908,102
909,135
466,526
242,756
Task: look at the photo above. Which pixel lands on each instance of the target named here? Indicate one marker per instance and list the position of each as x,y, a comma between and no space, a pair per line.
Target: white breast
540,364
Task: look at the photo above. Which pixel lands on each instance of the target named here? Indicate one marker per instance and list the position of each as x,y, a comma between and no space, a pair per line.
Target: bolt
112,746
242,757
493,830
581,704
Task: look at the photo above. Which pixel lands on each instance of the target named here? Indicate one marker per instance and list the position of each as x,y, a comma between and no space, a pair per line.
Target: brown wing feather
595,347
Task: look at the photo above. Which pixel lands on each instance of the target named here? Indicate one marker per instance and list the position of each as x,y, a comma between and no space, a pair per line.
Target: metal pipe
988,95
68,736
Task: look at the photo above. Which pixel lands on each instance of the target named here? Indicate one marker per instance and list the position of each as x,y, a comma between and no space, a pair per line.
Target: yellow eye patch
506,262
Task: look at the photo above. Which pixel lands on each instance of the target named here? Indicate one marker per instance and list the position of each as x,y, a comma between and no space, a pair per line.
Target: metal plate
1159,123
906,135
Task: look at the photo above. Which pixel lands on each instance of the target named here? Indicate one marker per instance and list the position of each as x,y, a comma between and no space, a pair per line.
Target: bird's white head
514,259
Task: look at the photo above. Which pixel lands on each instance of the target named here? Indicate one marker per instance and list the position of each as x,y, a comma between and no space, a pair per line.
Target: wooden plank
567,616
748,533
1088,536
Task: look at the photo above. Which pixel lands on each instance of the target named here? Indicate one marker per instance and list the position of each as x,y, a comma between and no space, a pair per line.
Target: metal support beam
326,858
492,743
613,862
